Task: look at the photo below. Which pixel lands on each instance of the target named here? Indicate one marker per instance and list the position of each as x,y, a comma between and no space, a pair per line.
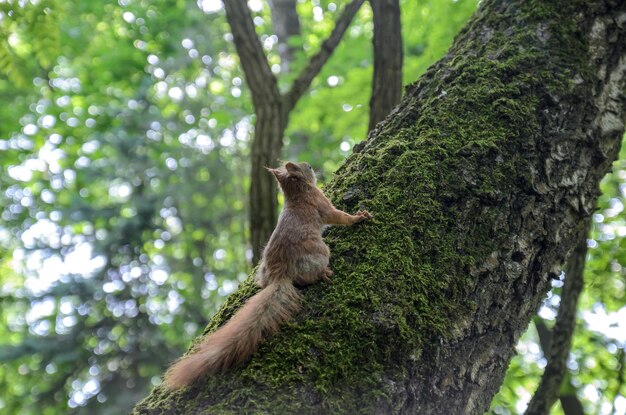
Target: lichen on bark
477,183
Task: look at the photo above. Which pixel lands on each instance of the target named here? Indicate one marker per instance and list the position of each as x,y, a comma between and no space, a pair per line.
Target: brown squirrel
295,254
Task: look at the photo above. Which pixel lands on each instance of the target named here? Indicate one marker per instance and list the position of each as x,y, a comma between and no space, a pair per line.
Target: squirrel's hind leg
311,268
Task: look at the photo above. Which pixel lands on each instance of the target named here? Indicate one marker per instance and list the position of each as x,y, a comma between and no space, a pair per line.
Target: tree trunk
269,127
266,148
387,42
477,184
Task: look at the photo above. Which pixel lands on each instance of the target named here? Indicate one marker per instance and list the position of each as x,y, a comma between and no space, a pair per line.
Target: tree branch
387,79
558,348
259,76
569,401
306,76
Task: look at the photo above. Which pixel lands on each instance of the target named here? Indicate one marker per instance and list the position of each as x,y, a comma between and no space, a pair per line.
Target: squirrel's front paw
363,215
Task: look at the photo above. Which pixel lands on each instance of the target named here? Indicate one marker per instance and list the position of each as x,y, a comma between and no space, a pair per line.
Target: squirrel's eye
309,166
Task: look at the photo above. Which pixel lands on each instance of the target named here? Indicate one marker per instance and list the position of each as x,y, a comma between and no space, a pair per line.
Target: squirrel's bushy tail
234,342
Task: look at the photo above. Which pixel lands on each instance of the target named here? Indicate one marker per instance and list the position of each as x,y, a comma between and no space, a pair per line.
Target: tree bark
387,42
477,184
269,128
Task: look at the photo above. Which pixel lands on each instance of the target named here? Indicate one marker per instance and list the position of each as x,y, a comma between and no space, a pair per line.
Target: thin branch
306,76
570,404
259,76
387,79
569,401
558,351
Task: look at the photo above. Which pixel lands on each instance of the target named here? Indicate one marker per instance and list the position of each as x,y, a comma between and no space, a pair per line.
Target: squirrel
294,255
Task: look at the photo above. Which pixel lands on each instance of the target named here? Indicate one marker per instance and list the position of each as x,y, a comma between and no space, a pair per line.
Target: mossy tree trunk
479,182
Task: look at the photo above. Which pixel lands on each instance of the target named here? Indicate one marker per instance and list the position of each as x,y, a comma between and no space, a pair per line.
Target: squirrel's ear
291,167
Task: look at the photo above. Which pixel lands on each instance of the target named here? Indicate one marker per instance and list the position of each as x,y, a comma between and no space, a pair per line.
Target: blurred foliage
123,224
124,142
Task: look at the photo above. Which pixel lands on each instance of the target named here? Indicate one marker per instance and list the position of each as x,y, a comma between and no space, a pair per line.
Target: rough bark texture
557,351
477,181
387,79
272,110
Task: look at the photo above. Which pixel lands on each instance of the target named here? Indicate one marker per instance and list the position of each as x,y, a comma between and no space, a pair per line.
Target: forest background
125,133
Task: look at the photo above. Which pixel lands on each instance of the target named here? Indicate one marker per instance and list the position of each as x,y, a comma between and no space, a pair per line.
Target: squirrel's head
294,175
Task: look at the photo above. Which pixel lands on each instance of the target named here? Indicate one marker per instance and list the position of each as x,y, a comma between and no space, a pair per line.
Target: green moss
404,278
